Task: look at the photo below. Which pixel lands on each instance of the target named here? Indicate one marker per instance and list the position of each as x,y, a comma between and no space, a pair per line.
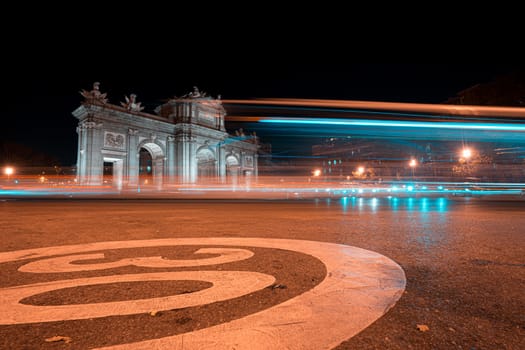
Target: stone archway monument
185,138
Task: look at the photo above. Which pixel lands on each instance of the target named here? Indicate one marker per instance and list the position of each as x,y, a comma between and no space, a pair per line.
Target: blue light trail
403,124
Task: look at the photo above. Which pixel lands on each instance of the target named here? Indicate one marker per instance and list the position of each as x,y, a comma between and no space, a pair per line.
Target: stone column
92,163
81,162
80,157
132,171
192,161
170,162
185,158
158,165
243,161
222,163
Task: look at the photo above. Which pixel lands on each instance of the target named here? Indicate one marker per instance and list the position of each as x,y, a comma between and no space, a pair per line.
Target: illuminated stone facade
184,142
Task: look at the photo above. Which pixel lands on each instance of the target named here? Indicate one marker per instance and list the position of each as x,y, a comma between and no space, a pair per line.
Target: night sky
40,94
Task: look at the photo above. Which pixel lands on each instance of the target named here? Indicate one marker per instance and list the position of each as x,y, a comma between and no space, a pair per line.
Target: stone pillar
171,170
222,163
243,161
256,164
91,163
179,158
158,170
80,133
117,173
132,171
192,160
186,160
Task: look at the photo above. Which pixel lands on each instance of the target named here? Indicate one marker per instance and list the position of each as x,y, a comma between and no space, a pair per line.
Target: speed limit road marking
359,287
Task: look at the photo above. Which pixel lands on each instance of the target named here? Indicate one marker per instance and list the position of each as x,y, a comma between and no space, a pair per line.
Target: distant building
348,158
341,157
184,142
505,90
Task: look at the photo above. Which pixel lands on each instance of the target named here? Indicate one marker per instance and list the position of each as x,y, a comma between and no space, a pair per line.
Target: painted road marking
67,263
360,287
226,285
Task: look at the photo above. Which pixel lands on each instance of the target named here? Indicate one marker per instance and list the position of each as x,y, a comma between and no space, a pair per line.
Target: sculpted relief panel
114,140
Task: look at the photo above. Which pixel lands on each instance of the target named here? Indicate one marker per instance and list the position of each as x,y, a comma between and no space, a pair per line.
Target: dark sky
40,91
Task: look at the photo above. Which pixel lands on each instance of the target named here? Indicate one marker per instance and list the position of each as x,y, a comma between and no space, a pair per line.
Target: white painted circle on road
360,286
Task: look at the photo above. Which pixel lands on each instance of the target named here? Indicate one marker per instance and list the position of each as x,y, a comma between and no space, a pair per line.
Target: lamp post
359,172
315,173
412,164
466,154
9,171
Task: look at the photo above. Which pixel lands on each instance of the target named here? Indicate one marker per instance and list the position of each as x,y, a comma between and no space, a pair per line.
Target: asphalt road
464,259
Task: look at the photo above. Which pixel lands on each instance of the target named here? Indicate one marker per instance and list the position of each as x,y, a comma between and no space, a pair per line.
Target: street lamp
464,168
315,173
466,153
412,164
9,171
359,173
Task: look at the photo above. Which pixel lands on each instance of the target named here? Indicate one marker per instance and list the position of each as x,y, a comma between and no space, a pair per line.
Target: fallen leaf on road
154,313
276,286
422,327
58,338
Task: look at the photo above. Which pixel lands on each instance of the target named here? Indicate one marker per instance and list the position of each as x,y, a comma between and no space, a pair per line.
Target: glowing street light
466,153
412,164
465,168
9,171
360,170
316,172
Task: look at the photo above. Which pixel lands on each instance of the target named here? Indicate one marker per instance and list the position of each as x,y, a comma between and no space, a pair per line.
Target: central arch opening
145,167
151,164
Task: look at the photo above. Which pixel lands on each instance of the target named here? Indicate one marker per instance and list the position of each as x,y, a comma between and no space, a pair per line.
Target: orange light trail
464,110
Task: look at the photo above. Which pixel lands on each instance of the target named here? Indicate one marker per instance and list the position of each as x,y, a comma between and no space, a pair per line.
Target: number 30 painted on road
360,286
